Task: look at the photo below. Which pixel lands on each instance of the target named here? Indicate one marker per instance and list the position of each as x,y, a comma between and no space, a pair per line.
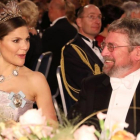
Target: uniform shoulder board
70,42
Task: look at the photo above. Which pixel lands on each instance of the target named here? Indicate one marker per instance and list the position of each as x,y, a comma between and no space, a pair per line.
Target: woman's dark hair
10,25
110,13
80,11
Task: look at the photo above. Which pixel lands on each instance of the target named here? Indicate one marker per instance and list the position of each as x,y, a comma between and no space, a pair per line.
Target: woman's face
14,46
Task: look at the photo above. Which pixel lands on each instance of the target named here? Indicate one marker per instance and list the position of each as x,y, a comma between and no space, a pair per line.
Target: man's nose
98,20
105,51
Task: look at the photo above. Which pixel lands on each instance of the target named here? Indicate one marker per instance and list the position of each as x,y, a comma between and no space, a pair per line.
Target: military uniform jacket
74,68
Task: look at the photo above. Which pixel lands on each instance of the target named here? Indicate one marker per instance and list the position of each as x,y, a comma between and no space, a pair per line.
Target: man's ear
78,21
138,53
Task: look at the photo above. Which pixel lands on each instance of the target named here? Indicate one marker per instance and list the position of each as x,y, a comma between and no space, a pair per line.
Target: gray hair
128,26
129,7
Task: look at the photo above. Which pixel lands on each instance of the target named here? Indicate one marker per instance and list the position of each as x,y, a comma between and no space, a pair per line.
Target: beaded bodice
8,111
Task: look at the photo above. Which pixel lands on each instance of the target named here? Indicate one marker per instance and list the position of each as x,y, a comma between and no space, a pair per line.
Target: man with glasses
81,57
118,88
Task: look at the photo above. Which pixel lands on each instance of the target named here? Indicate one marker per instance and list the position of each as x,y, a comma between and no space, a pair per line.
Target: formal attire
54,38
79,60
44,22
8,111
34,51
96,96
123,88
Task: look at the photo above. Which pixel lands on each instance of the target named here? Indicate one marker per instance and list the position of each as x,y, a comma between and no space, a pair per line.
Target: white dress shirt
95,49
122,95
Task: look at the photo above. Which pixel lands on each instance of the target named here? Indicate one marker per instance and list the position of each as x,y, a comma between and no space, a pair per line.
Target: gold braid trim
83,56
67,86
85,60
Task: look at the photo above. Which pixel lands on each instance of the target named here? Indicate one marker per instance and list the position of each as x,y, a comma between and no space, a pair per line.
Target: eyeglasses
92,17
110,46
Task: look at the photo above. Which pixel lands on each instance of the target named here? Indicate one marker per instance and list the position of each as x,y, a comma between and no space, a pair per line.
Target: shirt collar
87,38
127,80
57,20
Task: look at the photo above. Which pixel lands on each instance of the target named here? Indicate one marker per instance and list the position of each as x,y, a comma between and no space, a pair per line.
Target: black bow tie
94,42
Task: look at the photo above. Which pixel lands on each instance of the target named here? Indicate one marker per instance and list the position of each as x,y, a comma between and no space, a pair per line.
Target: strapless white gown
7,112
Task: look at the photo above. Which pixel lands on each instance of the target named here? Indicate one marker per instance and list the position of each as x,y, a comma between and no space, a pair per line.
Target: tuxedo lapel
133,115
99,93
103,93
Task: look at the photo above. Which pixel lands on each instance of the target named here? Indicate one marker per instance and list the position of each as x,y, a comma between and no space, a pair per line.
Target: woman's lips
22,56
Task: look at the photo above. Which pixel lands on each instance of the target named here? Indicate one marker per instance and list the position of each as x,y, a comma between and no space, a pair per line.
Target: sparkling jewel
15,73
17,100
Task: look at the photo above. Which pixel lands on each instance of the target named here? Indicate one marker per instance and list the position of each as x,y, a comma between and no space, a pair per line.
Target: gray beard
116,71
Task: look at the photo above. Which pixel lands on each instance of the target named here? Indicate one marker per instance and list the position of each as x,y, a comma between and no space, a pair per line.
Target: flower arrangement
32,126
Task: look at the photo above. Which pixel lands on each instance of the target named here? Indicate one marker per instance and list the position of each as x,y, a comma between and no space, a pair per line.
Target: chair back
67,101
57,110
44,63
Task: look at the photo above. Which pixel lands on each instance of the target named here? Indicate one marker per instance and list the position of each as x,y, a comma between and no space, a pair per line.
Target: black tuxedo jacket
53,39
34,51
95,96
75,69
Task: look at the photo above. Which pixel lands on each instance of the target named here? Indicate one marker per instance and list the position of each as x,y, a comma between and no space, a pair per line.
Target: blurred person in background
110,13
30,13
1,5
131,8
70,12
4,1
78,4
43,20
56,36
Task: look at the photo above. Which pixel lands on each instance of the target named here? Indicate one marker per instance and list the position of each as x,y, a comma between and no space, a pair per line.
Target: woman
30,14
110,13
20,87
70,13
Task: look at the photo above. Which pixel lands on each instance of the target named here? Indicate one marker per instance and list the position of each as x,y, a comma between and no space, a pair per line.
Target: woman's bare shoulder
32,76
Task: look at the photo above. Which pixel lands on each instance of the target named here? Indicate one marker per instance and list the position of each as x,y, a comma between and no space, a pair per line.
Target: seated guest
56,36
43,20
81,58
131,8
78,4
19,86
30,13
121,53
70,12
110,13
4,1
1,5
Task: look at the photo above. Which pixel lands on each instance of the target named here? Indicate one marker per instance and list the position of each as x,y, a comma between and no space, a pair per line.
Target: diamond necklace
14,73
